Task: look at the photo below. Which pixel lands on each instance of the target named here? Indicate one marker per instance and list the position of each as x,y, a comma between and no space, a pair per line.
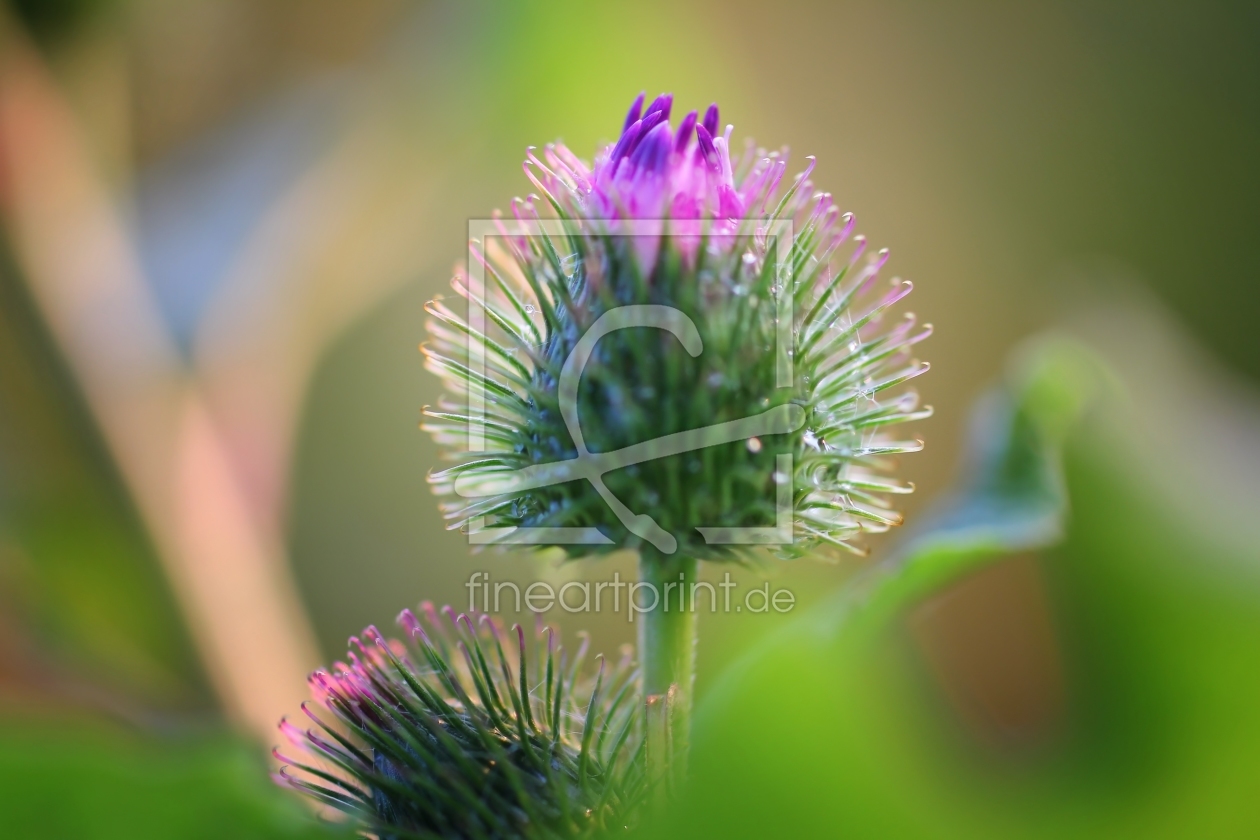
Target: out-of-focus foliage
831,729
50,20
81,783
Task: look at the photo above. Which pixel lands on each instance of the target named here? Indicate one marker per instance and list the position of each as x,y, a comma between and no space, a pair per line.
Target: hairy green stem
667,658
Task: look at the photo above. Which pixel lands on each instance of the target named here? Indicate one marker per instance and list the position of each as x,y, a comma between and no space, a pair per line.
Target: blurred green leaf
835,727
80,783
1012,496
53,20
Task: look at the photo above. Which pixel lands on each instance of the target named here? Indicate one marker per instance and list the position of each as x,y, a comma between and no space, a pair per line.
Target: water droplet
754,445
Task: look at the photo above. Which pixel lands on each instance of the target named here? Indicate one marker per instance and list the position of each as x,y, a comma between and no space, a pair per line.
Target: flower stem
667,658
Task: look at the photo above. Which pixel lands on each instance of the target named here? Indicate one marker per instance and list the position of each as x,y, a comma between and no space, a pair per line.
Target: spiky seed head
464,729
678,219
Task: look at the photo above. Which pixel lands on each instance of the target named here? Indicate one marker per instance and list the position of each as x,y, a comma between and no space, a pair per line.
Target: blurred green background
272,190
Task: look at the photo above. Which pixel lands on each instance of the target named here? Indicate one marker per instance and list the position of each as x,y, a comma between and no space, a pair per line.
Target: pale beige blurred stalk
334,245
229,574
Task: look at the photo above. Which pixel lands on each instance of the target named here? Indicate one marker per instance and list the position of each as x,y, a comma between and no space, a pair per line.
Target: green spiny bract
714,257
468,731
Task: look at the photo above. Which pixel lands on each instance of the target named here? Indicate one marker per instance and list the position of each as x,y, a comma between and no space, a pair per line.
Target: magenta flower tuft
651,173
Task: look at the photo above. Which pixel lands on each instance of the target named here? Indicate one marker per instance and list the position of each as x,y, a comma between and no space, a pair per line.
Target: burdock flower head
467,730
674,349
